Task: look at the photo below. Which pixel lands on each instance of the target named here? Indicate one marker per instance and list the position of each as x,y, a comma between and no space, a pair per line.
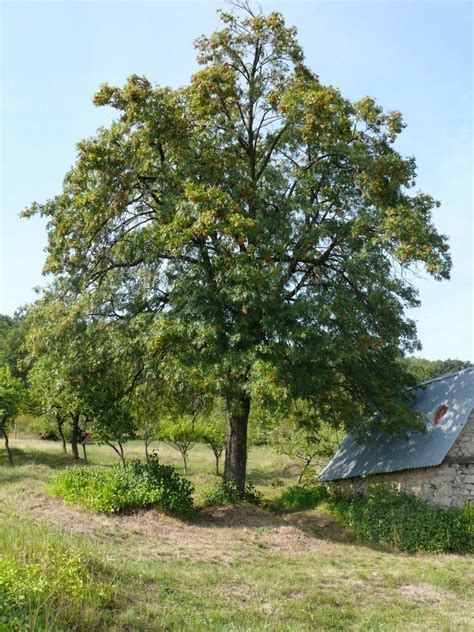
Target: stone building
437,466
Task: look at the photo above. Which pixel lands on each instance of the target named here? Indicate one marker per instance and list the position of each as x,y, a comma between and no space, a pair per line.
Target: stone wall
449,484
464,444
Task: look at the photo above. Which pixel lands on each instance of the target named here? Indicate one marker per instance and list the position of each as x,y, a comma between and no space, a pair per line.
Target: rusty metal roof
388,453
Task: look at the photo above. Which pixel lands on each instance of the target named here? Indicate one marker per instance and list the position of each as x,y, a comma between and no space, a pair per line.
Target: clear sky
411,56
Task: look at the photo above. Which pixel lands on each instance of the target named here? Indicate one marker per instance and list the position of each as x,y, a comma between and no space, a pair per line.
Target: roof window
439,414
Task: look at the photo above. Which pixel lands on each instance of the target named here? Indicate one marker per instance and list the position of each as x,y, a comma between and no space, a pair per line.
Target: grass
231,568
49,581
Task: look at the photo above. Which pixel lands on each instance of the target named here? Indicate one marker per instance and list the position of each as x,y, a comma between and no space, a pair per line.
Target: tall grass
47,581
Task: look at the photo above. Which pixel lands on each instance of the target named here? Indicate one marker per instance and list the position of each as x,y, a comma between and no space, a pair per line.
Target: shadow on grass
259,476
315,523
22,458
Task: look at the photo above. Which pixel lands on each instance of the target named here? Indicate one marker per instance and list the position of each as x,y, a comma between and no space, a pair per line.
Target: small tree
86,367
107,391
11,395
56,344
148,407
304,436
181,435
212,432
46,394
114,431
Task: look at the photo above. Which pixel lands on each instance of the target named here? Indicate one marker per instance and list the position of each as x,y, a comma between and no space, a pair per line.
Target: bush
298,498
407,522
228,494
49,432
277,482
45,582
126,487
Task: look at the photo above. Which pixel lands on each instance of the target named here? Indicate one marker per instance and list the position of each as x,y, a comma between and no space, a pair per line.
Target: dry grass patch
425,594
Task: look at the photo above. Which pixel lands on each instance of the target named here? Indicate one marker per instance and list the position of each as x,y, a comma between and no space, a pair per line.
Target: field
231,568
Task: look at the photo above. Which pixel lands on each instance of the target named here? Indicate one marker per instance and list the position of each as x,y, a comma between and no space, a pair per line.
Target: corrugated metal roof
389,453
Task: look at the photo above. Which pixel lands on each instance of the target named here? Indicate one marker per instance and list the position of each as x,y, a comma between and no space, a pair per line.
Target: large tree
262,222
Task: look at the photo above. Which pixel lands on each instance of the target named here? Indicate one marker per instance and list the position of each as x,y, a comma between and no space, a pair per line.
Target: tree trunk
183,454
7,446
236,443
146,450
84,450
75,436
147,440
217,451
122,455
118,451
61,434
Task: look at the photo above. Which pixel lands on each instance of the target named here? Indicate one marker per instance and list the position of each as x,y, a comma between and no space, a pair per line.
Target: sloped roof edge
388,453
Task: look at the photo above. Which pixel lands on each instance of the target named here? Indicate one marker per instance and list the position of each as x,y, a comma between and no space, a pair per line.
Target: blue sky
411,56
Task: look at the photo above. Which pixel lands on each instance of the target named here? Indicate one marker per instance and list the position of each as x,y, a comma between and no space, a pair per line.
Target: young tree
260,223
212,432
11,395
46,396
151,403
303,435
180,434
114,428
146,412
55,346
112,366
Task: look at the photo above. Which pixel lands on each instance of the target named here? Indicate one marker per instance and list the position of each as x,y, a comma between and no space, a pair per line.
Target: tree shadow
22,458
314,523
259,476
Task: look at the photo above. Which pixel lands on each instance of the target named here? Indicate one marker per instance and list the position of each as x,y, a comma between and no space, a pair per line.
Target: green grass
48,581
232,568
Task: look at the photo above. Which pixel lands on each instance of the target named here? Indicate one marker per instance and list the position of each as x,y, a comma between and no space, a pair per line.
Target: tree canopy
12,339
259,226
83,368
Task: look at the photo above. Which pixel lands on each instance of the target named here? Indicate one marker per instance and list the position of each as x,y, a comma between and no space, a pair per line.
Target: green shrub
277,482
228,494
382,515
298,497
45,582
124,488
